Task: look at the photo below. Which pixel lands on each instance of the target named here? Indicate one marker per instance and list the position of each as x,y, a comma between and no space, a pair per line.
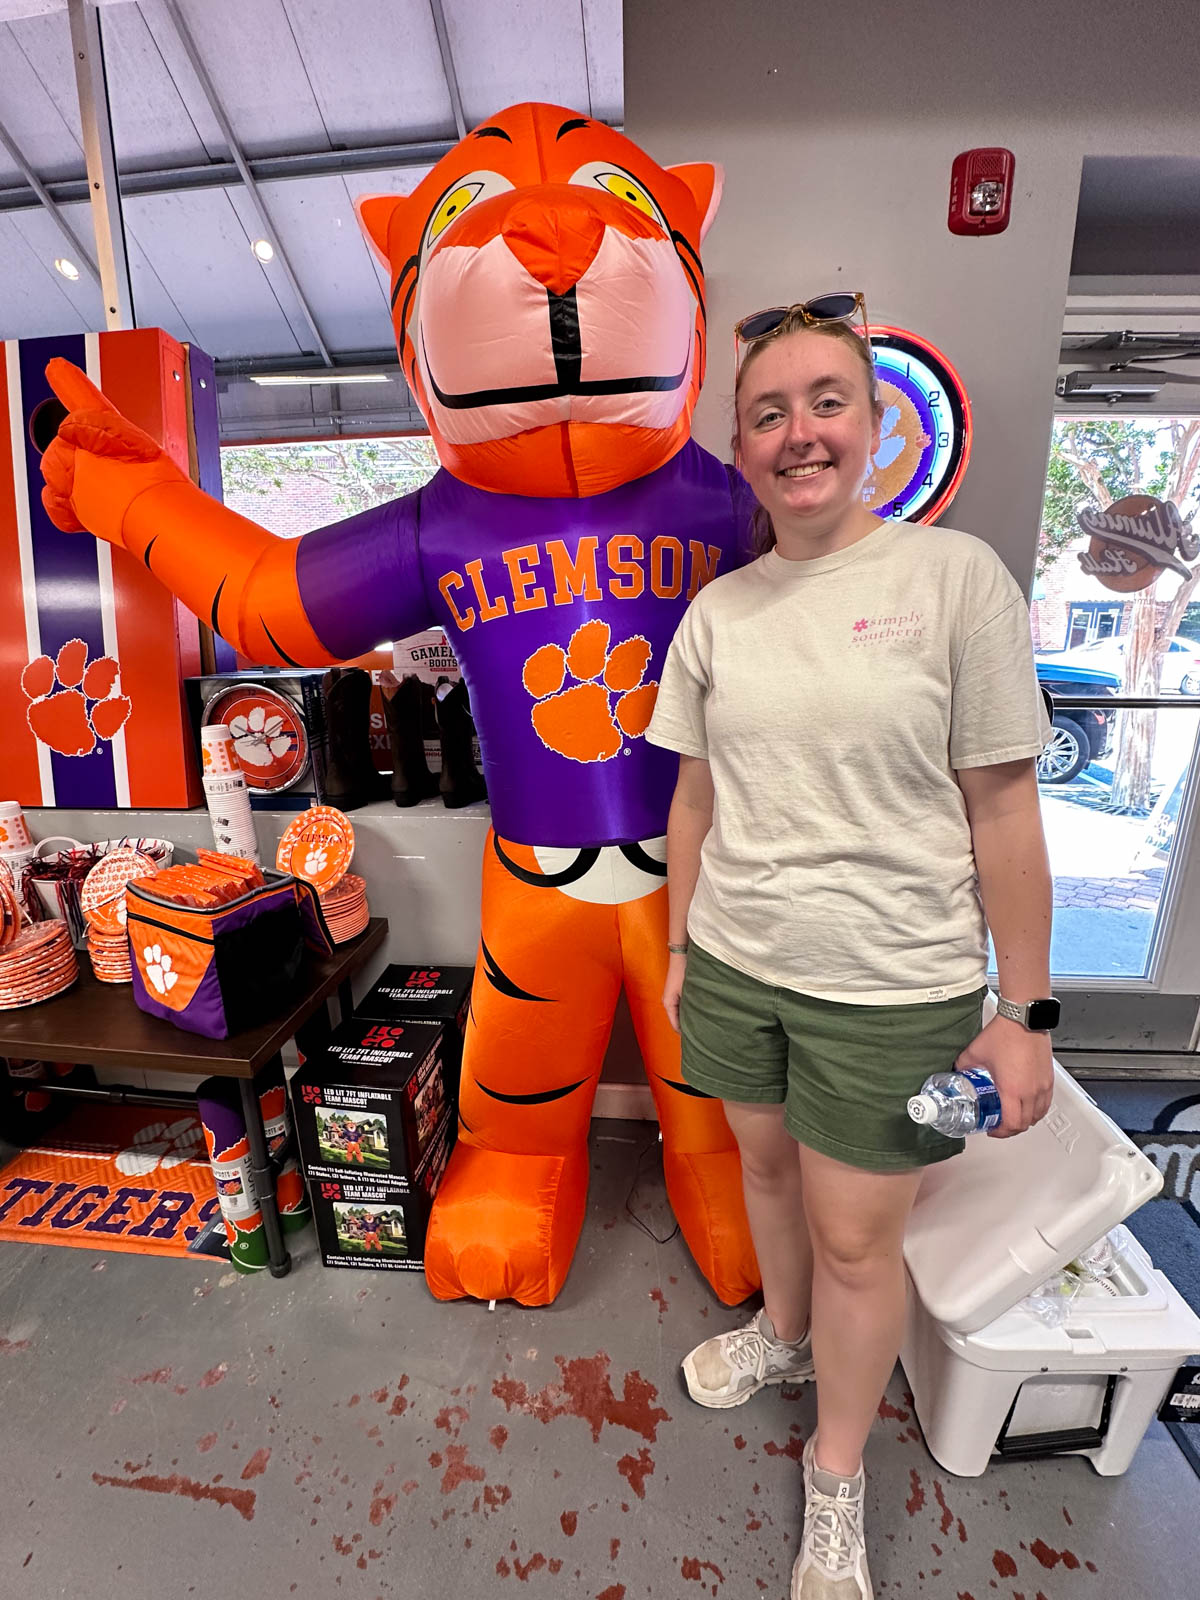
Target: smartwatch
1038,1016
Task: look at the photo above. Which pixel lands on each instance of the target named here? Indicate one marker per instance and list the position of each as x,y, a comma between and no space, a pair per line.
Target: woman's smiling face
806,430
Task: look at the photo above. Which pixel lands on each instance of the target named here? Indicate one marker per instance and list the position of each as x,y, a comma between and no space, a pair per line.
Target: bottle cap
923,1108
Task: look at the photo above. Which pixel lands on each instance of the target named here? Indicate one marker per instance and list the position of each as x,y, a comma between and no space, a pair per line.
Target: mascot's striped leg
562,930
700,1158
510,1207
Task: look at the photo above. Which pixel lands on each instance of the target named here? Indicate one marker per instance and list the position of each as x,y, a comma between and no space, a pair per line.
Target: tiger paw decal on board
604,701
73,702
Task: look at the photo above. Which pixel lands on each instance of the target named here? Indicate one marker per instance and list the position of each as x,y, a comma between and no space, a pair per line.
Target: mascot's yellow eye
455,203
625,188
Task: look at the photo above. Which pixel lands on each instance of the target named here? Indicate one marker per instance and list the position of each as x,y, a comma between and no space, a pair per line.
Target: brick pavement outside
1140,891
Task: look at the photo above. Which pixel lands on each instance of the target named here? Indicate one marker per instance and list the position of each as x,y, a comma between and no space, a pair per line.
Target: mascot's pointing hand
98,462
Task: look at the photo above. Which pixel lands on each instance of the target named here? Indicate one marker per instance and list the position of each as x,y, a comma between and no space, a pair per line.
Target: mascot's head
548,302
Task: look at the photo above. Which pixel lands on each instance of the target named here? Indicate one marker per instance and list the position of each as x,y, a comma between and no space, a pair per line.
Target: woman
857,718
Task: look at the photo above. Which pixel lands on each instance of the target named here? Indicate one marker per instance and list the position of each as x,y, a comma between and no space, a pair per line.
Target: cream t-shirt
833,700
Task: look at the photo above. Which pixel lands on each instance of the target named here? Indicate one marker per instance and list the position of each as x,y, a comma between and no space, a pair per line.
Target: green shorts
843,1073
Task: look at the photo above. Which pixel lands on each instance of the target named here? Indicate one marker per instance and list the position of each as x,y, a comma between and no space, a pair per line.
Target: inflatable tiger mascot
548,303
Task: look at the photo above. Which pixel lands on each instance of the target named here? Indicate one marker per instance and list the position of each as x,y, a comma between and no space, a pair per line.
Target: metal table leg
263,1170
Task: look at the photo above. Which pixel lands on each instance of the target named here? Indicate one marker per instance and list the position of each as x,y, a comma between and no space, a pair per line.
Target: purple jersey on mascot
644,548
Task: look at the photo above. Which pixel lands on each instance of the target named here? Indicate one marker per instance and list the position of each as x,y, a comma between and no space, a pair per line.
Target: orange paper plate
318,846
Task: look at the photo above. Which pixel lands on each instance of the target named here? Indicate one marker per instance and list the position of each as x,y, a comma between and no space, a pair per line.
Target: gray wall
837,126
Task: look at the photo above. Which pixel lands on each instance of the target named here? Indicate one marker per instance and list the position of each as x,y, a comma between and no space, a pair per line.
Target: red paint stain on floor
498,1437
450,1420
495,1495
586,1392
242,1500
947,1521
614,1549
569,1521
891,1413
1050,1558
739,1443
615,1591
206,1443
458,1469
159,1375
382,1505
636,1469
1091,1566
379,1396
660,1300
1004,1564
916,1497
694,1570
7,1346
793,1449
523,1568
409,1485
212,1376
399,1405
1067,1517
256,1465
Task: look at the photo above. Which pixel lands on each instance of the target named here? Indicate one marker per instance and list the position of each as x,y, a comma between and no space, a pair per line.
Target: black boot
461,782
406,707
351,778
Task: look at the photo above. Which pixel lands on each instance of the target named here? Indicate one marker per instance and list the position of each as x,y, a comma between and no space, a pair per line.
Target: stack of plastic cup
226,794
17,849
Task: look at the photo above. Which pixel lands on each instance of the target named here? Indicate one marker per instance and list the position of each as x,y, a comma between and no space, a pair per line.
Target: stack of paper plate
345,908
38,964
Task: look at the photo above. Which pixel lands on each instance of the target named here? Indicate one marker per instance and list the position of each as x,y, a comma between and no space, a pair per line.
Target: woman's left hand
1021,1065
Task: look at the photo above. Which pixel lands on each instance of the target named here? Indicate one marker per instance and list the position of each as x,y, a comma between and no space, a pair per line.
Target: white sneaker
832,1564
727,1370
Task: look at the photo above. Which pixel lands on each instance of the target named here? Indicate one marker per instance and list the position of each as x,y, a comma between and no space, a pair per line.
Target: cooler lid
991,1224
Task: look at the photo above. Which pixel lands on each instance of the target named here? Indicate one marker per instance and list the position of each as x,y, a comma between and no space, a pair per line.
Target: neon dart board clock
925,438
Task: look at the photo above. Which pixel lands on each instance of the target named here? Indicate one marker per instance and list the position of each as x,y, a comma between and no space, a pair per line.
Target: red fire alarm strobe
981,191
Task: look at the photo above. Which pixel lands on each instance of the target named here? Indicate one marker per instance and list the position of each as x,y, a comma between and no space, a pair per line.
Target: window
1115,781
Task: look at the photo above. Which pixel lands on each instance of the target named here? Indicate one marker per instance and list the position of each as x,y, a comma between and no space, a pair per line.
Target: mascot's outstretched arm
105,476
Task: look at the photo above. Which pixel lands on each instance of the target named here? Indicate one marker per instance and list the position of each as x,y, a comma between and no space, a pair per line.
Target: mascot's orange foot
504,1226
705,1191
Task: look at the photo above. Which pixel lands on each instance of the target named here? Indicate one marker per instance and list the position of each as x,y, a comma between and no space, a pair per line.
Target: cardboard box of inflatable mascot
375,1222
425,993
369,1101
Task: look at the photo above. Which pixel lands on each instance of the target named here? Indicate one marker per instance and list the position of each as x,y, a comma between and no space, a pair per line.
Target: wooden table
98,1024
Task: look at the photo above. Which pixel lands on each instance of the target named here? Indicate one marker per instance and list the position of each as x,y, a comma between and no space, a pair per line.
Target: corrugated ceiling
345,85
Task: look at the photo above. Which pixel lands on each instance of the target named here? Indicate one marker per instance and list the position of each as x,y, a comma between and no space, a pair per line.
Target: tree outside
1094,461
292,488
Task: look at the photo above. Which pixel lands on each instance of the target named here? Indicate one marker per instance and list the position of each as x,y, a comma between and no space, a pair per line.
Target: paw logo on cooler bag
605,701
158,969
161,1144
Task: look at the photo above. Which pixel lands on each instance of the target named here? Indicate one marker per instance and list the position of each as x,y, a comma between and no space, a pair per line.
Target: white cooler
989,1379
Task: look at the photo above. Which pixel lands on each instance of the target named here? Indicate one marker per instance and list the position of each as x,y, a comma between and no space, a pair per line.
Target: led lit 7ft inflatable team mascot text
548,302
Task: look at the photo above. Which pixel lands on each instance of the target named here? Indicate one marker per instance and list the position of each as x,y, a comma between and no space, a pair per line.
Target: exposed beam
80,253
380,360
251,183
443,39
108,223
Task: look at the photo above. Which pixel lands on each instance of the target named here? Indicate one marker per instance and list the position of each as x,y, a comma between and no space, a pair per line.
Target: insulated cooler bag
220,971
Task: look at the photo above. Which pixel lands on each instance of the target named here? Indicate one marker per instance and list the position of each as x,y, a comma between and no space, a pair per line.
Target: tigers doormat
126,1178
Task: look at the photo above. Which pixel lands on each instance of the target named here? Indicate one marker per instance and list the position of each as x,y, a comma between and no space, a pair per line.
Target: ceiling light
318,375
67,268
263,249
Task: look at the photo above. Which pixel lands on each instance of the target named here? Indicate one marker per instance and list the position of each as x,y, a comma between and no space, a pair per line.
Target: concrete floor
172,1429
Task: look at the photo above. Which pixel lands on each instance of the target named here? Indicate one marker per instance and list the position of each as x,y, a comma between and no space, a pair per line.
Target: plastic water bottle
957,1103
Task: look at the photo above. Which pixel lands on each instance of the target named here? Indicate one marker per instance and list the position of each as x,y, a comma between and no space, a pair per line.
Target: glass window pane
1112,782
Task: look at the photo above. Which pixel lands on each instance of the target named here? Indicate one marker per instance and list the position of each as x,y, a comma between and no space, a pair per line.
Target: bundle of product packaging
1001,1361
375,1114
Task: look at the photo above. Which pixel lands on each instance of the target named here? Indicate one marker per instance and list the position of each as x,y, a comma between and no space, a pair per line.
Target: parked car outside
1080,735
1180,670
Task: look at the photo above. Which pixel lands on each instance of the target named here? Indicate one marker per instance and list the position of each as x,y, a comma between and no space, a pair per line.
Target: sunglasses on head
824,308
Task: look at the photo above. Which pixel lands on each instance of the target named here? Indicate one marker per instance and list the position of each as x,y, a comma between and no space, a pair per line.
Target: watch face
925,436
1043,1015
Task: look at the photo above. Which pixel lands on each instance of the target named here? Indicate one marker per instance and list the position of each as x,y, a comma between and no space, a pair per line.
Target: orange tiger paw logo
73,702
606,701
